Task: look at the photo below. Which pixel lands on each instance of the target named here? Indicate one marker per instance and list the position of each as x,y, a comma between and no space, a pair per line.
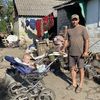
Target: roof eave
68,3
31,16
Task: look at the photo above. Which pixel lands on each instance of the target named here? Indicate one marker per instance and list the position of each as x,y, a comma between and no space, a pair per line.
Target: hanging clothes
39,27
45,23
48,22
32,23
27,23
51,20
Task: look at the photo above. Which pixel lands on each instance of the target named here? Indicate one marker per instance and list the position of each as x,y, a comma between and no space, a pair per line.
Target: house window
98,13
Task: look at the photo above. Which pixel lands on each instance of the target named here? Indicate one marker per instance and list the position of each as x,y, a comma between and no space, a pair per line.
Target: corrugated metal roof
36,7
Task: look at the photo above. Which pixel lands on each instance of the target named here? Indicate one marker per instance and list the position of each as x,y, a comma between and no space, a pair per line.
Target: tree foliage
6,14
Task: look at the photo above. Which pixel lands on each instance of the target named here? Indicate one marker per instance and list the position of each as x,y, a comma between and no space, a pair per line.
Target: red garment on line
39,28
51,20
44,24
48,22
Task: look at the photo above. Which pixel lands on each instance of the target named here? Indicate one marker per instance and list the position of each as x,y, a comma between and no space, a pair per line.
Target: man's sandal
78,90
71,87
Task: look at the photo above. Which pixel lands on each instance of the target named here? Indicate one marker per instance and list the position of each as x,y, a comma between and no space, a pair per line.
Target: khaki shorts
76,60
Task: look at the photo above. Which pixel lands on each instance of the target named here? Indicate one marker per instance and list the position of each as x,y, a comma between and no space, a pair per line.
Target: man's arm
86,48
86,45
86,42
65,45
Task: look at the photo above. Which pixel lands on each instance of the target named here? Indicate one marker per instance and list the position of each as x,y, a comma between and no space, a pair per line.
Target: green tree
6,14
2,22
10,10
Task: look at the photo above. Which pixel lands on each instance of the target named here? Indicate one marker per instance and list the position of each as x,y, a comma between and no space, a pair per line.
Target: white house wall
92,24
16,28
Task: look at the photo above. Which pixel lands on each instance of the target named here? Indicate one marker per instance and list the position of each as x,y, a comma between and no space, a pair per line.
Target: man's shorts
76,60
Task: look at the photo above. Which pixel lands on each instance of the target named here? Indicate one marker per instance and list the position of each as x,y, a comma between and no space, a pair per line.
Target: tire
12,89
20,97
47,94
16,88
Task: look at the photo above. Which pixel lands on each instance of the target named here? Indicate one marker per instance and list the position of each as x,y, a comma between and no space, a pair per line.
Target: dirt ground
55,81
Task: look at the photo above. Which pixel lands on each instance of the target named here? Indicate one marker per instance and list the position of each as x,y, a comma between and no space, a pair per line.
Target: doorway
75,9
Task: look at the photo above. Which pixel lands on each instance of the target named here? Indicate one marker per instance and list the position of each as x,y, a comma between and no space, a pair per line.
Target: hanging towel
39,27
32,23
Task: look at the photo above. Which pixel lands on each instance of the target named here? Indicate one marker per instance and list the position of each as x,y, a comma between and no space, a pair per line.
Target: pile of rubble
92,66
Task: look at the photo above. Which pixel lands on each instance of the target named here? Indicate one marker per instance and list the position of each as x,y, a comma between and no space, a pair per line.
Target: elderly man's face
75,21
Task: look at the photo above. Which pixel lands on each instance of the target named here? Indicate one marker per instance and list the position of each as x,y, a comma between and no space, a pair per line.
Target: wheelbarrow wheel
47,94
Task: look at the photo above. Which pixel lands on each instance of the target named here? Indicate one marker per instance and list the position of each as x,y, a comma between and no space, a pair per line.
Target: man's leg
81,77
73,75
81,70
73,67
